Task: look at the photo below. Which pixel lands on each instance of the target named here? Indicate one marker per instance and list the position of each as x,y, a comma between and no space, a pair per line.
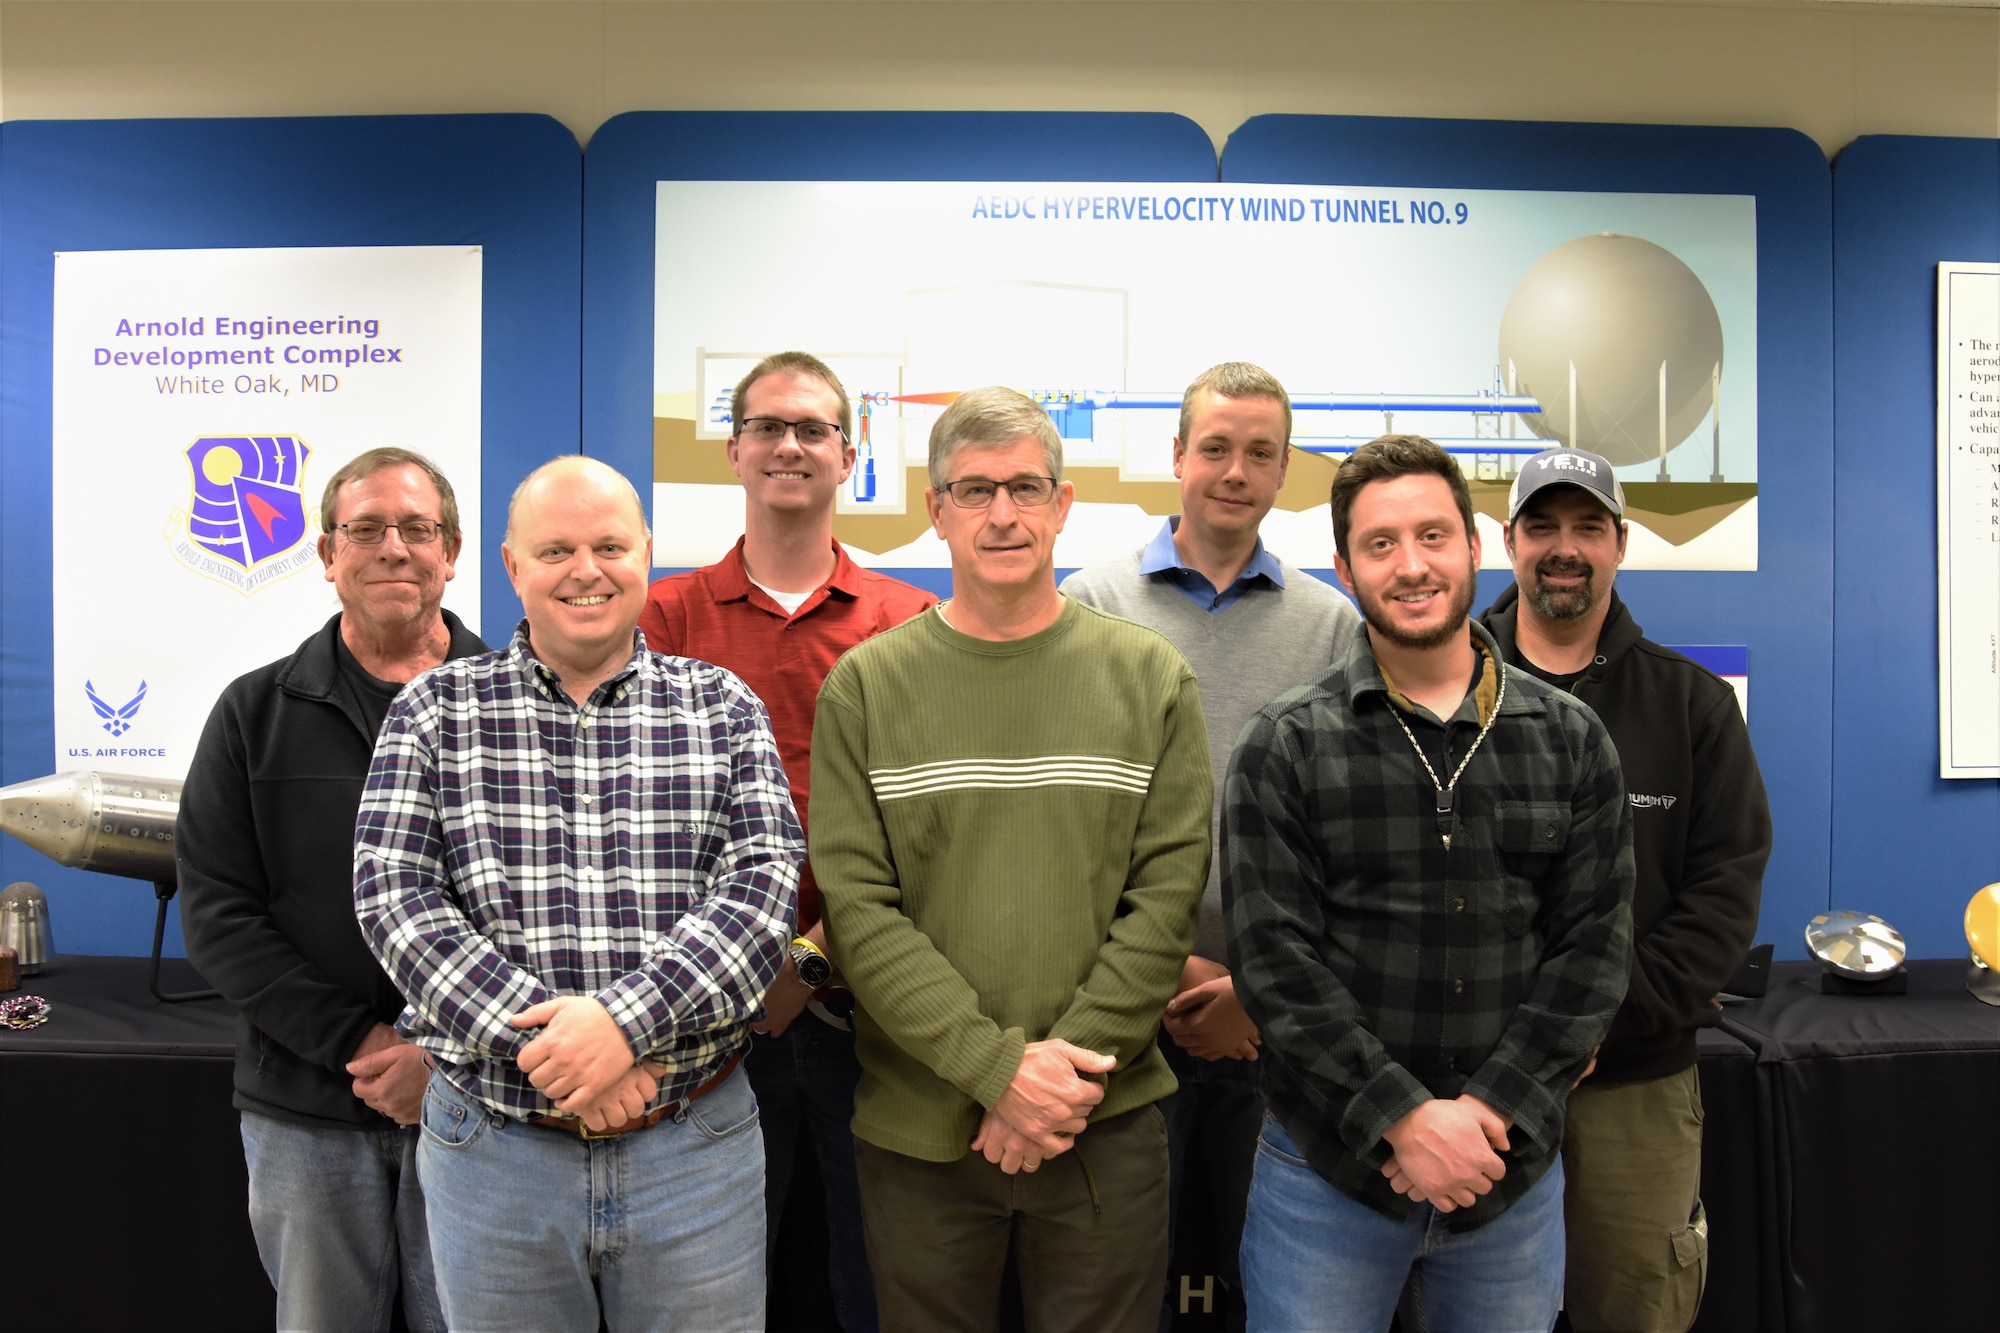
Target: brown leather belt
570,1124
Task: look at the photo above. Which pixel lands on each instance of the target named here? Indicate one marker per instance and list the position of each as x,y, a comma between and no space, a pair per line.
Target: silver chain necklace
1445,790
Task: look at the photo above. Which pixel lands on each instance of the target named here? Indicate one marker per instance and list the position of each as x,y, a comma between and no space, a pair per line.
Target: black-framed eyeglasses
772,430
978,492
367,532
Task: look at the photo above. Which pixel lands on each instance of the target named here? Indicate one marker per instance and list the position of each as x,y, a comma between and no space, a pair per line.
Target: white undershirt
790,601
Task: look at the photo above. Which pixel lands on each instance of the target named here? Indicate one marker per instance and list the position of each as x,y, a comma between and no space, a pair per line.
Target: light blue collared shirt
1162,557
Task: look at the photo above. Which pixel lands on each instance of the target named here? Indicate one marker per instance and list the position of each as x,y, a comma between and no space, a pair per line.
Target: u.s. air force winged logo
117,717
246,521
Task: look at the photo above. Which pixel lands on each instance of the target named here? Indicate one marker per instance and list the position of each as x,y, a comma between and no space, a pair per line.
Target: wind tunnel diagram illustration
1624,324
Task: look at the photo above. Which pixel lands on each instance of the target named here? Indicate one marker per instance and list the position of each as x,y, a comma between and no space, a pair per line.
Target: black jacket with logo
1701,833
265,850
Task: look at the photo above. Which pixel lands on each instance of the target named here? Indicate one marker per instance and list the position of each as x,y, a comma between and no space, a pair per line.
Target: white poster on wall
1497,322
1968,444
201,399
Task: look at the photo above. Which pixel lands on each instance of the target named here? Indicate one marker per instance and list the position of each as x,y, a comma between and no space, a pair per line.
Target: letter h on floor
1205,1293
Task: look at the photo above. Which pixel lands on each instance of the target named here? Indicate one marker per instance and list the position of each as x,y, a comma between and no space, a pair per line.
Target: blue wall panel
1783,611
510,184
1908,845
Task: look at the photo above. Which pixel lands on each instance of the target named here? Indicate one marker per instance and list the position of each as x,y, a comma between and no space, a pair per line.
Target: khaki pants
1088,1234
1638,1240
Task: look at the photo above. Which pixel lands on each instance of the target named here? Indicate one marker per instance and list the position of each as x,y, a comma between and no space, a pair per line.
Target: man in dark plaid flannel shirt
1427,875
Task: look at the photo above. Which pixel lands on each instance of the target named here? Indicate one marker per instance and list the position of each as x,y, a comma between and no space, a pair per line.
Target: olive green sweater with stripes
1012,839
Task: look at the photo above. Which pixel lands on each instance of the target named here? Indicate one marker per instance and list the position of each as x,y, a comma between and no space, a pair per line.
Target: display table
1847,1160
1732,1185
1877,1120
120,1159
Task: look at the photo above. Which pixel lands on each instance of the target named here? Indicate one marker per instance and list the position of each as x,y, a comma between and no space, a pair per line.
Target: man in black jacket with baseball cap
1701,836
329,1093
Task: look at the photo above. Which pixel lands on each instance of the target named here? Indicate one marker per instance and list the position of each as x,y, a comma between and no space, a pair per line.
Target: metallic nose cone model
109,822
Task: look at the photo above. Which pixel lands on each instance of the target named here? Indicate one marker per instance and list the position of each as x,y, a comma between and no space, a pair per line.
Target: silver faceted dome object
24,924
1855,944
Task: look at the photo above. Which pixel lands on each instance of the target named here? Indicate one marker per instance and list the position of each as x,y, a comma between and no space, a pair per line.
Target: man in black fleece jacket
1701,834
329,1093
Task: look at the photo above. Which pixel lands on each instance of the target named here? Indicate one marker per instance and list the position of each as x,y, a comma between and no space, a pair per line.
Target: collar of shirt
1483,688
1162,557
545,678
1361,675
729,581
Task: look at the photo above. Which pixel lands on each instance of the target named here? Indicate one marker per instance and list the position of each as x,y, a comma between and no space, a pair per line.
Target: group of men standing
1183,857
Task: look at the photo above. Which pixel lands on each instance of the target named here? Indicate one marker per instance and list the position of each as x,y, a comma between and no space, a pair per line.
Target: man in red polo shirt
779,610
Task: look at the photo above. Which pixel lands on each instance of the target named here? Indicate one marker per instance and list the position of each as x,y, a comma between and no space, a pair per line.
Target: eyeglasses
367,532
978,492
770,430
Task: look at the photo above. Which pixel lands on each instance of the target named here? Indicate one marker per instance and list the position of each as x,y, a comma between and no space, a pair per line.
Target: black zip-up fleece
1701,833
265,849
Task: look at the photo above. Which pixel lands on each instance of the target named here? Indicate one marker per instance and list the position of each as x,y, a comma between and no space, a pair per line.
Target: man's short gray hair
1234,379
994,417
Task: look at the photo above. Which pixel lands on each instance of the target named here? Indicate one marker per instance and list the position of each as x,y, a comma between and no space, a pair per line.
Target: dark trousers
805,1078
1087,1233
1214,1117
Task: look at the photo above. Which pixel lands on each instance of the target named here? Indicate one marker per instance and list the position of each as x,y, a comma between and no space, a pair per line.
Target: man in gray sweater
1252,627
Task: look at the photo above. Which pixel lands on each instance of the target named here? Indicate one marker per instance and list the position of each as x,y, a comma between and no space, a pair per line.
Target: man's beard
1564,603
1454,621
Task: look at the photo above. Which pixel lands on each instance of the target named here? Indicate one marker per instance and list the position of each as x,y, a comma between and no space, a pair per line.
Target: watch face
812,966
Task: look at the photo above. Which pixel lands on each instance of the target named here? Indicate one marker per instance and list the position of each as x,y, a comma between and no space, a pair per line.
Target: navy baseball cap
1566,467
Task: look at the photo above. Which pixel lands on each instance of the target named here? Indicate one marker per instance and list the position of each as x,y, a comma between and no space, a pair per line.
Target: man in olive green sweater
1011,830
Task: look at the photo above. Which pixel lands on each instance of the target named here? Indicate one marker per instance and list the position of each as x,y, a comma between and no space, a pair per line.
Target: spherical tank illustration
1640,331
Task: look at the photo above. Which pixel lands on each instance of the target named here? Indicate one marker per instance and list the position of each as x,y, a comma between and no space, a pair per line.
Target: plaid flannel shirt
513,847
1382,968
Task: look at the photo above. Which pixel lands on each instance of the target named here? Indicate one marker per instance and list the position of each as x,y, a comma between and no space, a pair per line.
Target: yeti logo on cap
1566,467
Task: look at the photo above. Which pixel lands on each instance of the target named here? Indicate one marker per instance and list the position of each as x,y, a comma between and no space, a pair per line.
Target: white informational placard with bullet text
1968,443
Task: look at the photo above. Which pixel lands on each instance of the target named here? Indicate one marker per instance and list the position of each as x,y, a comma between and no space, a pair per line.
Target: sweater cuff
990,1071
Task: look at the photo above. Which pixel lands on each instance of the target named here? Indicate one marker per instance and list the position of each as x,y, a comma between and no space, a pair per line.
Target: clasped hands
1205,1018
1044,1107
1447,1152
390,1074
581,1061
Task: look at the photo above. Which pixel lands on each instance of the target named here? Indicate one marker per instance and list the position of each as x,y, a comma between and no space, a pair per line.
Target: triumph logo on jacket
1640,801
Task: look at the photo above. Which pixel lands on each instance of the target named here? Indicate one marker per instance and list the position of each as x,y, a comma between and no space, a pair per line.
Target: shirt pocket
1529,834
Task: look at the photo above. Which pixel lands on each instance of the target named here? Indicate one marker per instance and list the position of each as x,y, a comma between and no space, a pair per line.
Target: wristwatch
813,968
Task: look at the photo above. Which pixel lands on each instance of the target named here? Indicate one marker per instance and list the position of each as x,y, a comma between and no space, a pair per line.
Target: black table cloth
120,1159
1848,1160
1878,1120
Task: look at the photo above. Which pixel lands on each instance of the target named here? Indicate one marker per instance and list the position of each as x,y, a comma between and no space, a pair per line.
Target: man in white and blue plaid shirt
578,861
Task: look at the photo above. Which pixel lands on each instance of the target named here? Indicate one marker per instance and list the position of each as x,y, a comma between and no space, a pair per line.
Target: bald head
578,553
583,475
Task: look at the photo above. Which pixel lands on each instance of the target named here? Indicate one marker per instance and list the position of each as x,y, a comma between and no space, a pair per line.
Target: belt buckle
589,1135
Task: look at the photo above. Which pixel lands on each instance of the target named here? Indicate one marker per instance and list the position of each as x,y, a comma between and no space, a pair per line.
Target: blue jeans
1216,1114
339,1221
1315,1258
808,1076
535,1228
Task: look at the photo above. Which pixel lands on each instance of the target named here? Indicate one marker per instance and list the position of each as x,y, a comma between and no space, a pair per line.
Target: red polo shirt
718,615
